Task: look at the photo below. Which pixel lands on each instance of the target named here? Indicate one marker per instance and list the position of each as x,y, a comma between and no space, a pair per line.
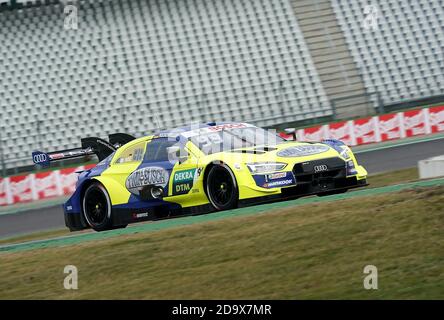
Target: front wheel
221,188
97,208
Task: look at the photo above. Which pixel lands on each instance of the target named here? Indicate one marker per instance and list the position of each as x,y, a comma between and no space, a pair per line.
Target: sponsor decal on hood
304,150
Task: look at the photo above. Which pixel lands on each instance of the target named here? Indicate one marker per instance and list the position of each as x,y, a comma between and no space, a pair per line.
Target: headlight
351,170
265,167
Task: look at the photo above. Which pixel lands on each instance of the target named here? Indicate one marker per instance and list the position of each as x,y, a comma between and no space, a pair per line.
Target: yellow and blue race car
199,169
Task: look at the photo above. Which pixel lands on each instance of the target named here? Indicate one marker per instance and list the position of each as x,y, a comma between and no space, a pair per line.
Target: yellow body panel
196,196
247,185
114,177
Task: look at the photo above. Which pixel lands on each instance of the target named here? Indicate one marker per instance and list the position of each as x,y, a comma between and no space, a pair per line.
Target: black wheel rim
96,206
221,187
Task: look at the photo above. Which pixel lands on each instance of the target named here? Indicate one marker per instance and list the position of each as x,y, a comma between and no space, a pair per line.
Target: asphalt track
375,159
390,158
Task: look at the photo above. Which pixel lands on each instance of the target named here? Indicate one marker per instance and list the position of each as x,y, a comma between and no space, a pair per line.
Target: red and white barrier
391,126
436,119
416,122
366,130
5,192
68,179
344,131
47,185
378,128
39,186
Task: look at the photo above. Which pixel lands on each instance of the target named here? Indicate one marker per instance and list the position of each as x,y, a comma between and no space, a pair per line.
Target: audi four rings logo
320,168
40,158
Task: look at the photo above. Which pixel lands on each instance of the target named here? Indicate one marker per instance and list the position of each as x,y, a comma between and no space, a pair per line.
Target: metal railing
357,105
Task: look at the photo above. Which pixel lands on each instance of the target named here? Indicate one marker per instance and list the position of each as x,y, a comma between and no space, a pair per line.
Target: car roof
195,126
178,131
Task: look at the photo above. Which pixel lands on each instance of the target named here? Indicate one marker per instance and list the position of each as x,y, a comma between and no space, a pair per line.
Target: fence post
333,106
9,197
58,180
380,103
2,157
281,98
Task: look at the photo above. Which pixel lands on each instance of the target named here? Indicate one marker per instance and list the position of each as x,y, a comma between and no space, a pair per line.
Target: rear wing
90,146
119,139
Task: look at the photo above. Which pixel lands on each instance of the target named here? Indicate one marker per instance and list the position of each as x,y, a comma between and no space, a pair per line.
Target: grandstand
403,57
139,65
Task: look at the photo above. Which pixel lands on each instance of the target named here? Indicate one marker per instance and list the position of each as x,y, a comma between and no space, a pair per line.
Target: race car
199,169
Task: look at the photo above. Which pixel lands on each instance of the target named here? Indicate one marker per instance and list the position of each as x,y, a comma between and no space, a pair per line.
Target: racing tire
97,209
221,188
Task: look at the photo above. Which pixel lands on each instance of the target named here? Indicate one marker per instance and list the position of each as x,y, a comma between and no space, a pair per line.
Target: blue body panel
74,204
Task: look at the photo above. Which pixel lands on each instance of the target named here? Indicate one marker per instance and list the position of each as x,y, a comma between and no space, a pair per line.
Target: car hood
289,152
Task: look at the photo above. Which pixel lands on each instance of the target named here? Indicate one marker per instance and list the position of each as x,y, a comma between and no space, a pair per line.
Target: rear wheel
221,188
97,208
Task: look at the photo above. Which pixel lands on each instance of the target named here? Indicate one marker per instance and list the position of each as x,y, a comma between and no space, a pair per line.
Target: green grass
393,177
36,236
305,252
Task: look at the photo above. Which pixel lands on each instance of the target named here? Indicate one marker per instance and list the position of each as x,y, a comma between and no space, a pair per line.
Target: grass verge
36,236
315,251
393,177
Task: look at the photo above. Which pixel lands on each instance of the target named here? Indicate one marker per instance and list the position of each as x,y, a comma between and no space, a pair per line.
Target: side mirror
291,131
176,153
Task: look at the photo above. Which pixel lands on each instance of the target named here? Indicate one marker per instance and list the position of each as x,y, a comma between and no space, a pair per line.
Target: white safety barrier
431,168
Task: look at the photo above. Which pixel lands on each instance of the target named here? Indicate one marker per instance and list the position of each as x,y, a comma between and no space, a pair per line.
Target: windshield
227,139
